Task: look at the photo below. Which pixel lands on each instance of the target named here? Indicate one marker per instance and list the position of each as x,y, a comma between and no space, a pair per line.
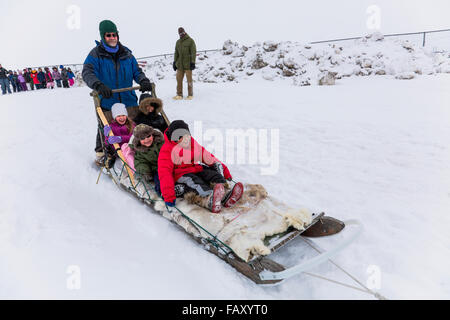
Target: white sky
35,32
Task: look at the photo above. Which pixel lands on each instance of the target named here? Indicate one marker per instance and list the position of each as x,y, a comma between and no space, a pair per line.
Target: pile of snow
305,64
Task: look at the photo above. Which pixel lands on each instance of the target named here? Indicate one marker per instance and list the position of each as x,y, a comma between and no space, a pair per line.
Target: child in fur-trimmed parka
147,143
149,112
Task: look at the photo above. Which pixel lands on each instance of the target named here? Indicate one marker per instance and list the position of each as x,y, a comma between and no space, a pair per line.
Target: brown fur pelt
254,193
193,198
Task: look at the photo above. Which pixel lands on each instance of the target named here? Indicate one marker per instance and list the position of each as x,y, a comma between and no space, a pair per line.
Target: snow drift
307,64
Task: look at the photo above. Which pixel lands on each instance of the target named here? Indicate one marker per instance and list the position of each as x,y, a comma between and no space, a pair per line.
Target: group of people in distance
30,78
166,155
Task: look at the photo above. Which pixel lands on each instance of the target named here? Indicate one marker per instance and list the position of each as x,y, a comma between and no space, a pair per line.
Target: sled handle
292,271
126,89
166,119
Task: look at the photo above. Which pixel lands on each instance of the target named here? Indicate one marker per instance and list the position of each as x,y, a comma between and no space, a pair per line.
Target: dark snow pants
200,182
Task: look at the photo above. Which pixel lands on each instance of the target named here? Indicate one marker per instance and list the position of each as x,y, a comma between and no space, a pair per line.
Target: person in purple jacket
122,128
56,76
22,81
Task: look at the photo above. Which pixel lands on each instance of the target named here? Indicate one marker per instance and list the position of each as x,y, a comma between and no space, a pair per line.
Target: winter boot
100,159
110,160
189,97
215,199
178,98
233,195
213,202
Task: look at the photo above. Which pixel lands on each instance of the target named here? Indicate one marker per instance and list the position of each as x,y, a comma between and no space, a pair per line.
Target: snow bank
305,64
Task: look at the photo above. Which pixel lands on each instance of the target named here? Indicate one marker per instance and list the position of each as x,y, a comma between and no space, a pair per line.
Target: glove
103,90
106,130
192,65
218,167
114,139
171,204
174,66
146,85
179,190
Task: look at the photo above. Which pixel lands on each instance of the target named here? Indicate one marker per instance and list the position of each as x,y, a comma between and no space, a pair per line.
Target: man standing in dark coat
184,63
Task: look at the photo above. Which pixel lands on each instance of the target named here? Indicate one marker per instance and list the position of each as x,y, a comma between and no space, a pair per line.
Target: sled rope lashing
363,288
214,241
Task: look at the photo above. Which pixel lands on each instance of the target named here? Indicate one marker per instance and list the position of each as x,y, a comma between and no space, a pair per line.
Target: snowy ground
371,148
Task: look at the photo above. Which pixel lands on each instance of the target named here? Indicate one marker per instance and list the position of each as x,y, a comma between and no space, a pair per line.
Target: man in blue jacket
110,65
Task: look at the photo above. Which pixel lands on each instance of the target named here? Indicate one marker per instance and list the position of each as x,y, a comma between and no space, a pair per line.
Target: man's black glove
218,167
174,65
146,85
103,90
192,65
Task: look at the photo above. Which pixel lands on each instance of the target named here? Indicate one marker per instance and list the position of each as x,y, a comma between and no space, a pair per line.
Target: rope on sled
364,288
214,241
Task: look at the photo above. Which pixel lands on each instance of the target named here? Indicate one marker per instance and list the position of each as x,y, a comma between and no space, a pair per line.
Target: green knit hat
107,26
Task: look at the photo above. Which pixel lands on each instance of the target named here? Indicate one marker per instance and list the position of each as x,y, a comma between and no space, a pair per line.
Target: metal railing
165,55
386,35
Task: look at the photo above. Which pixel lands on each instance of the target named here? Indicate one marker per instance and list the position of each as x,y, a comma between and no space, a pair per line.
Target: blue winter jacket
100,66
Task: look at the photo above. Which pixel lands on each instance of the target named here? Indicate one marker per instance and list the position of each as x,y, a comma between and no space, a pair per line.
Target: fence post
423,44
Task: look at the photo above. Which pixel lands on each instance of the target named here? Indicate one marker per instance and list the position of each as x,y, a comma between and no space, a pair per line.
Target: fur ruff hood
147,101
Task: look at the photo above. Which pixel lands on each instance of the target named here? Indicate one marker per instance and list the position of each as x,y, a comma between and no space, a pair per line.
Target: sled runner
243,236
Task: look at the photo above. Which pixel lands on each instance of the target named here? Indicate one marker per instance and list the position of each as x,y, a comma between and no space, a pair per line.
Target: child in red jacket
182,160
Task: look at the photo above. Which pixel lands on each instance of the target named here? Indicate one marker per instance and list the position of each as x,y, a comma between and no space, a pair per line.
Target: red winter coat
184,161
34,78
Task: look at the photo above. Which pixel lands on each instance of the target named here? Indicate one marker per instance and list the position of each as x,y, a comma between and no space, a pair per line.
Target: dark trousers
200,182
58,83
14,85
65,83
5,85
